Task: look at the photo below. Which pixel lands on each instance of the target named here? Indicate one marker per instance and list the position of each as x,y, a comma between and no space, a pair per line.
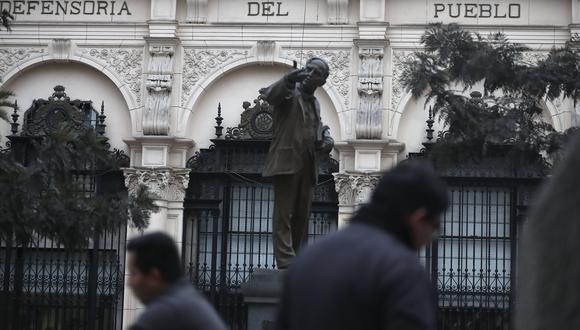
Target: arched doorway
46,285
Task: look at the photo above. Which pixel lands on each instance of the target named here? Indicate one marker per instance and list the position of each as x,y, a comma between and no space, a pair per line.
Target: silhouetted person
367,276
292,161
155,276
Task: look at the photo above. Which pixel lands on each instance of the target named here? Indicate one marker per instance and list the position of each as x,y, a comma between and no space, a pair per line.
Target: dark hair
326,67
409,186
156,250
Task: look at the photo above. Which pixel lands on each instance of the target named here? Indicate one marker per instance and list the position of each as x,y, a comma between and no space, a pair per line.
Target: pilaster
159,83
372,10
362,163
196,11
159,163
575,12
163,22
159,151
168,185
371,106
338,11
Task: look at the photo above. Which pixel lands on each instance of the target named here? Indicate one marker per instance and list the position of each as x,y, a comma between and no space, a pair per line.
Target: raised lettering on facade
266,8
477,10
63,7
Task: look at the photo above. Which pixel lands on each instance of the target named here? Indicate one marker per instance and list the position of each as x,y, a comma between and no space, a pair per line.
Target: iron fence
225,241
473,261
46,287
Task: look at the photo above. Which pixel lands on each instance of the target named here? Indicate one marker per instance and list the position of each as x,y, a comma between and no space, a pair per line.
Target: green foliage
509,113
44,196
7,19
5,104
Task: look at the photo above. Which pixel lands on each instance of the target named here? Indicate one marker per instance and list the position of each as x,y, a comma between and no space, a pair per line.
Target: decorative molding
355,188
196,11
199,63
166,183
399,57
339,62
370,89
533,57
158,83
256,122
343,186
127,63
11,57
338,12
266,51
61,48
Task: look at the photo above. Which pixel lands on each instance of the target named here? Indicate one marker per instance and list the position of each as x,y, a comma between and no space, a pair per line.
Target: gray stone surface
548,292
262,295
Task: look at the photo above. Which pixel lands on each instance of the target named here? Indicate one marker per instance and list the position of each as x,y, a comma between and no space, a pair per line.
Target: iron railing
45,286
225,241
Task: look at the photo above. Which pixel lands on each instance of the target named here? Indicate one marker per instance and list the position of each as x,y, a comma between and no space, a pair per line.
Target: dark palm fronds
508,112
7,19
44,196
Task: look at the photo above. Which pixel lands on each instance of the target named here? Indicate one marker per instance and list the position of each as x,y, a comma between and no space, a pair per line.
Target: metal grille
45,286
224,245
471,261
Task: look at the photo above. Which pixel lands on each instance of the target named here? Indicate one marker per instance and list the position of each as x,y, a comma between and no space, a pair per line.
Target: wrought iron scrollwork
58,112
256,122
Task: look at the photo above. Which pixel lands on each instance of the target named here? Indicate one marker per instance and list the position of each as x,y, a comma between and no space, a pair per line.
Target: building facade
162,67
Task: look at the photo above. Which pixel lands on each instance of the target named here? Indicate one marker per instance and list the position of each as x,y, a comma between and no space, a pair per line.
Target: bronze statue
298,139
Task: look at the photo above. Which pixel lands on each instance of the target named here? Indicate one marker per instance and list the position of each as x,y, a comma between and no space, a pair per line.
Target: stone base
262,294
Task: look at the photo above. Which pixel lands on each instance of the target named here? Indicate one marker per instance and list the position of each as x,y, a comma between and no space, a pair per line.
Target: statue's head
318,72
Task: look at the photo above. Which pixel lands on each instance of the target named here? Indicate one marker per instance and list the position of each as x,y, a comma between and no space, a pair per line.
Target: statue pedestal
262,294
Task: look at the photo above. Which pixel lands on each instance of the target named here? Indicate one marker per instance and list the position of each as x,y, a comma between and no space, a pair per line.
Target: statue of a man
292,162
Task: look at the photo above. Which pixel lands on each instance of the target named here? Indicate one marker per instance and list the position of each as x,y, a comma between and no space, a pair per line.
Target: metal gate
473,261
228,210
226,244
44,286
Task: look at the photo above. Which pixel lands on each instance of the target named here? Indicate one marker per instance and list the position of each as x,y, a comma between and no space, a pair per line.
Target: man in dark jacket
367,276
155,277
292,161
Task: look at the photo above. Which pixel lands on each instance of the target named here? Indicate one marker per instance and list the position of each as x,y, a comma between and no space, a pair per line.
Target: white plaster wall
232,90
81,82
412,126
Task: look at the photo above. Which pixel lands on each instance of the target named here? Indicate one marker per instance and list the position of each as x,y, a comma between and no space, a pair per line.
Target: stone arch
116,131
395,121
207,81
552,114
30,63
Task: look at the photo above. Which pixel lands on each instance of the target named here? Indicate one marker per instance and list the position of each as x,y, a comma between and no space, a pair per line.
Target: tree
44,196
5,103
7,19
508,112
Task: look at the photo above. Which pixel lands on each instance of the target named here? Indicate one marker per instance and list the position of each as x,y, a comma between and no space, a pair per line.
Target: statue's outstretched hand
297,75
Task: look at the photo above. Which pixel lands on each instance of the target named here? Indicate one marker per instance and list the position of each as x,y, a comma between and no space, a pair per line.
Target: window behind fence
471,261
229,243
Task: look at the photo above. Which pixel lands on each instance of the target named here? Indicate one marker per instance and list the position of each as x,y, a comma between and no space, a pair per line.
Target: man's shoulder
367,243
156,316
184,306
